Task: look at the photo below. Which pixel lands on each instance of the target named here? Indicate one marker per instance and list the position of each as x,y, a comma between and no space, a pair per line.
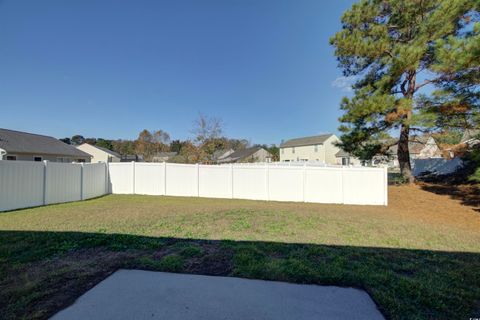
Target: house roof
110,152
220,154
305,141
23,142
415,145
341,154
241,154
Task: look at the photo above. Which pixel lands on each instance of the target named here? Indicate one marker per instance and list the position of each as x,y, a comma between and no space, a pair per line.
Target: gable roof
110,152
342,154
306,141
415,144
23,142
241,154
220,154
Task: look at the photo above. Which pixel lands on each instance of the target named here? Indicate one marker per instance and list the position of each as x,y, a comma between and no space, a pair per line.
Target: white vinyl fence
28,184
347,185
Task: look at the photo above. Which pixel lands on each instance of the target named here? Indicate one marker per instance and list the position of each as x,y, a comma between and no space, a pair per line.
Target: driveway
135,294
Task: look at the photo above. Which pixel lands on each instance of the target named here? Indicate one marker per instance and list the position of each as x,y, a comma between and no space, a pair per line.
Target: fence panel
94,180
149,178
21,184
323,185
365,186
27,184
63,182
215,181
121,178
286,183
249,183
182,180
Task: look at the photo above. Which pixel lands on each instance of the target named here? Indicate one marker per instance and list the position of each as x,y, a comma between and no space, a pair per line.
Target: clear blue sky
111,68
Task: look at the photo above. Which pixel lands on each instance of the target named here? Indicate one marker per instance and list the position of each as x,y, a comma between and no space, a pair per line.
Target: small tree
77,140
208,137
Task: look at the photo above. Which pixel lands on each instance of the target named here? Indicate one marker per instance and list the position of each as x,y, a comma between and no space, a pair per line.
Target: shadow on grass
468,194
43,272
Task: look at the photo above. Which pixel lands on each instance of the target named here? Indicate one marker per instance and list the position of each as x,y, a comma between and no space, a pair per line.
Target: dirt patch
214,261
62,280
468,194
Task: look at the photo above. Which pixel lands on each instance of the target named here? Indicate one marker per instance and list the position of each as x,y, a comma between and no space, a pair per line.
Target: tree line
208,139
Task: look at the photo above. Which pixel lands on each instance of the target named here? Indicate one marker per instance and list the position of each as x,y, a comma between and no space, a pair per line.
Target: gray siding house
17,145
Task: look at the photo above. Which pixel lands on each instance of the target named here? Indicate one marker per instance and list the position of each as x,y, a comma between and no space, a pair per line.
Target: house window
316,148
345,161
293,149
83,160
37,158
11,157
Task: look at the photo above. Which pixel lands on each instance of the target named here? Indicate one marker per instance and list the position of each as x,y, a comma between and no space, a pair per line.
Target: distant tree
176,146
238,144
275,152
104,143
161,137
66,140
77,140
124,147
385,46
92,141
190,153
149,143
448,137
208,137
206,128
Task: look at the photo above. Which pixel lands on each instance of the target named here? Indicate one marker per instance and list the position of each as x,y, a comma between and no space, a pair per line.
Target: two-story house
319,148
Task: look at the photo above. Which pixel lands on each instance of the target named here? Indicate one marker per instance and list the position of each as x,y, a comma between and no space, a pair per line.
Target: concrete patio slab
135,294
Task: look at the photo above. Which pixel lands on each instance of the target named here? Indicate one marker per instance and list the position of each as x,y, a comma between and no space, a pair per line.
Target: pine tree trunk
403,154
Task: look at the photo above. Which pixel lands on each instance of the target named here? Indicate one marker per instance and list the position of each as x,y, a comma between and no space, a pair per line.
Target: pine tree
388,46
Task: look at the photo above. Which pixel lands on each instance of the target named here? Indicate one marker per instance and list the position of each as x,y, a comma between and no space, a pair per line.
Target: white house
319,148
100,154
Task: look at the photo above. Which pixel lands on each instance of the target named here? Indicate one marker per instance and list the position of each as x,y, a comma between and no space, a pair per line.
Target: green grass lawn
418,258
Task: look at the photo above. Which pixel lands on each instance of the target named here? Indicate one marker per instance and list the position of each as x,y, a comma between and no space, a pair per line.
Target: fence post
45,165
107,178
385,176
231,180
304,173
81,182
133,177
342,174
197,167
267,182
164,178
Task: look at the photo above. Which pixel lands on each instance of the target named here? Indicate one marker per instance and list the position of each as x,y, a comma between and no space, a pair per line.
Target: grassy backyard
418,258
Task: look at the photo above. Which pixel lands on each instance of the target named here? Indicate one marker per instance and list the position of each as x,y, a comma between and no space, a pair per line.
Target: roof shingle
23,142
306,141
